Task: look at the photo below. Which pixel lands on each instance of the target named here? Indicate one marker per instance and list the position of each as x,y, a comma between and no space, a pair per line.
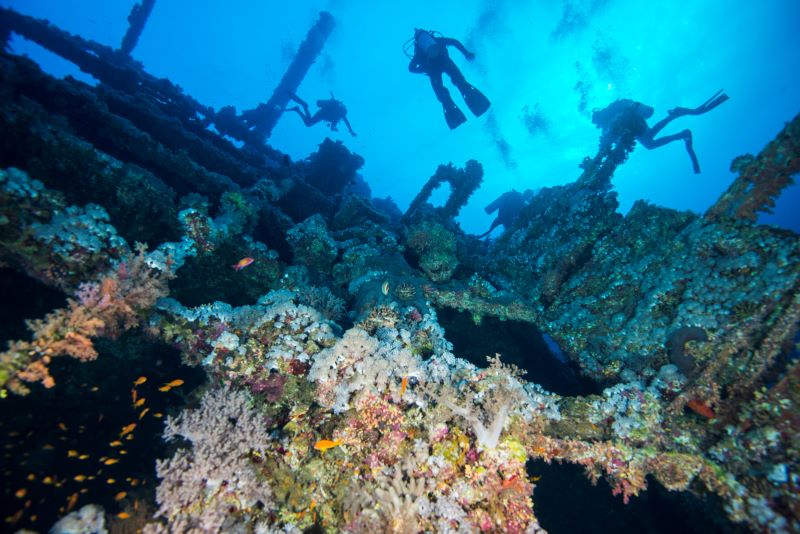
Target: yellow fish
20,493
119,496
116,443
139,403
111,461
72,453
47,480
325,444
110,480
79,478
83,457
139,381
144,412
127,429
158,414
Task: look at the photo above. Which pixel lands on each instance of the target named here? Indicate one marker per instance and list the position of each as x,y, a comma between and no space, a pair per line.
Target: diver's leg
476,101
454,116
311,121
495,224
649,143
301,102
657,127
440,90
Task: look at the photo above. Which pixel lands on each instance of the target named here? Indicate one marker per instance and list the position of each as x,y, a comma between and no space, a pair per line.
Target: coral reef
334,398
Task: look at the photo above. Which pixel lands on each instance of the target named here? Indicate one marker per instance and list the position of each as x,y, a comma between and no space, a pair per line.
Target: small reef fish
62,426
72,453
20,493
403,386
116,443
134,396
110,480
79,478
139,403
111,461
127,429
169,385
123,515
72,501
139,381
241,264
385,288
119,496
144,412
701,408
83,457
325,444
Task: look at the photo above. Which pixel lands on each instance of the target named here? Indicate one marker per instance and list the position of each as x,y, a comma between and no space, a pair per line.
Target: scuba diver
331,111
508,205
630,116
431,58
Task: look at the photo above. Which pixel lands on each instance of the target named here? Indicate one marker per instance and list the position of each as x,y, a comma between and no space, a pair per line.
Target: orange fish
701,408
123,515
144,412
134,396
72,453
83,457
116,443
403,386
72,501
169,385
79,478
20,493
127,429
119,496
110,480
241,264
62,426
111,461
325,444
139,381
139,403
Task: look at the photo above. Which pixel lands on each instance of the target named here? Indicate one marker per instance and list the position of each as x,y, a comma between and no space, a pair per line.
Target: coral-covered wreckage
334,398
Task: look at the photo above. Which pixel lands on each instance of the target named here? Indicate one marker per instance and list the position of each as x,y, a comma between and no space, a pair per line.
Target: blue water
544,65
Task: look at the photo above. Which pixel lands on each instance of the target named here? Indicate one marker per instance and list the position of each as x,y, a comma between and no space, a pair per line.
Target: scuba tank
425,41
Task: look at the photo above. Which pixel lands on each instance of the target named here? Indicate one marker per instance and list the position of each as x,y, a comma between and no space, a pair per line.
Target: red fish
701,408
241,264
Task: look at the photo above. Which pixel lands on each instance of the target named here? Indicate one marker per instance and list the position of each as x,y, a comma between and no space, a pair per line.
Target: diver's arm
415,65
448,41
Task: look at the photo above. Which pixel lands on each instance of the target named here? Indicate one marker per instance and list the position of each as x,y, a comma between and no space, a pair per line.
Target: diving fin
718,98
476,101
454,116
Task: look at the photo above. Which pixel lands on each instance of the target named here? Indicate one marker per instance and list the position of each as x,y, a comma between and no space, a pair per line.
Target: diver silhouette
331,111
431,58
508,205
629,116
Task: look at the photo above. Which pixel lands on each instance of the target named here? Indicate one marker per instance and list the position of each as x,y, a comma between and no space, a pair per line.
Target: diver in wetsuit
508,205
630,116
331,111
431,58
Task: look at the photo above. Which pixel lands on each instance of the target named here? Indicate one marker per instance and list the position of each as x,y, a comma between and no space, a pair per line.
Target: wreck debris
137,19
761,179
